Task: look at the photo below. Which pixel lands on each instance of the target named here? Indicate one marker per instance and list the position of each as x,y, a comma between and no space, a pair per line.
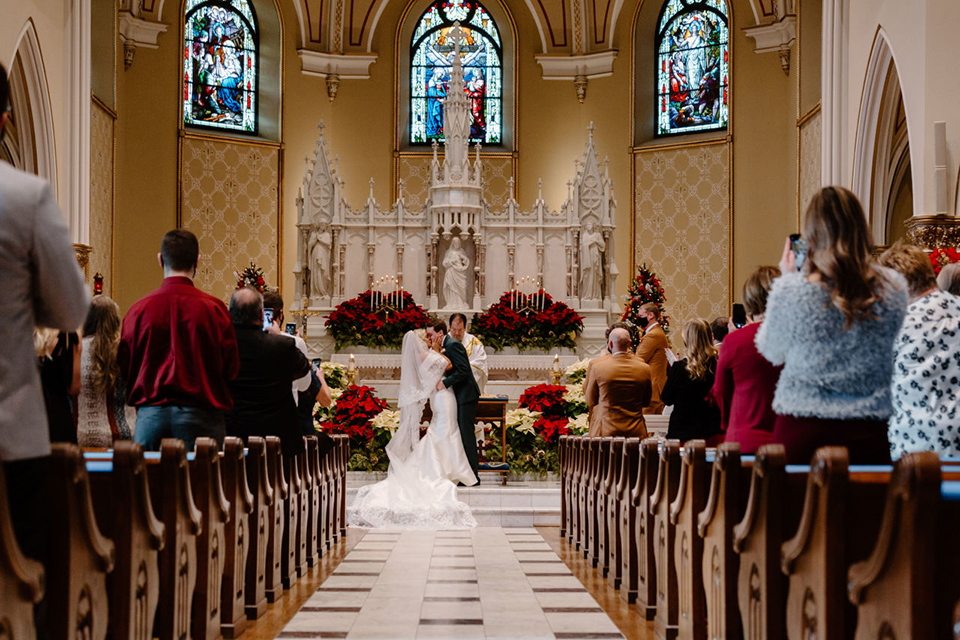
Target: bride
420,490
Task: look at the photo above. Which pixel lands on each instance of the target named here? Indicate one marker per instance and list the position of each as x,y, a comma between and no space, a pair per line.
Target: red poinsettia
551,428
545,398
356,322
940,258
534,321
354,410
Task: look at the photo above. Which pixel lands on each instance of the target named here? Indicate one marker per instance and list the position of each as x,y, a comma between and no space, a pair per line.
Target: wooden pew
563,457
593,470
21,579
611,492
664,539
908,587
207,486
688,550
121,501
773,506
233,617
291,540
599,548
644,531
170,488
80,555
279,514
340,483
318,487
260,527
303,486
629,472
576,473
328,502
724,508
586,463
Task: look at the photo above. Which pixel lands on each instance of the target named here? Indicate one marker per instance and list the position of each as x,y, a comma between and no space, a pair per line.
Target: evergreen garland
646,288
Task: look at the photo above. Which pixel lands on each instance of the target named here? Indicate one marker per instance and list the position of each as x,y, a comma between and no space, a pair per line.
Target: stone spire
456,114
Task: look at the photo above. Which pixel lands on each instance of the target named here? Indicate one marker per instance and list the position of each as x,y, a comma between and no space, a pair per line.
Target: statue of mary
455,265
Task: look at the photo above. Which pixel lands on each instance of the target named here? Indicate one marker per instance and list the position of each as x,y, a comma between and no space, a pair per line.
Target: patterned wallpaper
229,199
101,195
415,173
810,146
682,228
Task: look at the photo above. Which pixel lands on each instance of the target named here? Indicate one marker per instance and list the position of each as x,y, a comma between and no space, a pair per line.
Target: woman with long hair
689,381
832,325
102,412
745,381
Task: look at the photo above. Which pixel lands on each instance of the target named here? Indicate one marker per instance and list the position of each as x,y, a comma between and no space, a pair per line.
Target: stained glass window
692,66
431,58
220,65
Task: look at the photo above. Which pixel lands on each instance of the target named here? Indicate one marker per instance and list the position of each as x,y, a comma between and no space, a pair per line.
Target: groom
461,379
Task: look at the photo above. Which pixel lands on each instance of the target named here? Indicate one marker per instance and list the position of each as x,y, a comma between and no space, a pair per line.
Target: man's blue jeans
172,421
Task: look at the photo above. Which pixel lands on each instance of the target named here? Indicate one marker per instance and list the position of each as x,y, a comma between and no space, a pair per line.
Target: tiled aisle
484,583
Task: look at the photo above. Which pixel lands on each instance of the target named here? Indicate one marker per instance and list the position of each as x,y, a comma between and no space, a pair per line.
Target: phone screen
799,248
291,328
267,318
316,363
739,316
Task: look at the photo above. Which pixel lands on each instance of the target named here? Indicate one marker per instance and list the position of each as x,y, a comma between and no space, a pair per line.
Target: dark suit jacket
262,394
695,415
460,377
619,387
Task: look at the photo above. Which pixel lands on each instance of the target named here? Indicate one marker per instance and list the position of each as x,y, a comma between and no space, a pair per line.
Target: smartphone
316,363
739,316
267,318
799,247
291,328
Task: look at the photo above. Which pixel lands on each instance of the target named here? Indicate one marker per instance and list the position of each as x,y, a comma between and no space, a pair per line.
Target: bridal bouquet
360,322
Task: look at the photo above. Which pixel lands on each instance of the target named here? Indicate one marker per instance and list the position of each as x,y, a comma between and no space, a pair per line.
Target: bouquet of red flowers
253,276
533,321
361,322
940,258
355,408
646,288
546,399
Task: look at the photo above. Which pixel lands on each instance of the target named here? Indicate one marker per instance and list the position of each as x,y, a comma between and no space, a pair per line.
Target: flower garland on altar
646,288
252,276
940,258
535,321
375,320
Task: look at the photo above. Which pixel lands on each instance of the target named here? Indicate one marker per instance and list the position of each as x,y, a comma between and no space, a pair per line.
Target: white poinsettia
522,420
577,371
574,394
387,419
579,425
336,374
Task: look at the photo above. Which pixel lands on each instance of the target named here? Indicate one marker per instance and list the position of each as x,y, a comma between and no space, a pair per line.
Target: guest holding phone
689,381
745,381
832,326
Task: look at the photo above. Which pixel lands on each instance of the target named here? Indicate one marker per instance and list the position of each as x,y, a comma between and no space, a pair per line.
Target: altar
456,254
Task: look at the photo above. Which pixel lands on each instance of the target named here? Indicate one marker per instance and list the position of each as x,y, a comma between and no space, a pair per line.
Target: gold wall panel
229,199
414,170
101,195
809,165
682,228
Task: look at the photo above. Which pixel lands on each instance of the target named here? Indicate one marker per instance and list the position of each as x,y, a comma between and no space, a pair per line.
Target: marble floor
488,582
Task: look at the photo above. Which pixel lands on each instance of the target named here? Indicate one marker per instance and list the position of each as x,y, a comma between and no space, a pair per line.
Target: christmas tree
646,288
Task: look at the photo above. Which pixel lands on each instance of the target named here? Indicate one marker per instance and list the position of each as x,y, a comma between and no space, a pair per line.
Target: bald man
617,390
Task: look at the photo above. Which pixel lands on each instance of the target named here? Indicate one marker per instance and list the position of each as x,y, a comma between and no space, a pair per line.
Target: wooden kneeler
233,619
279,514
260,528
207,485
21,579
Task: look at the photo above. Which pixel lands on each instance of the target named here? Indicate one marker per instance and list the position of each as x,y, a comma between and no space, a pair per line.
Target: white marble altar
456,253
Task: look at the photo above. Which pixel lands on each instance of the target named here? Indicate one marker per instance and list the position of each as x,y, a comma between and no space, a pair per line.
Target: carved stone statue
591,262
455,264
320,243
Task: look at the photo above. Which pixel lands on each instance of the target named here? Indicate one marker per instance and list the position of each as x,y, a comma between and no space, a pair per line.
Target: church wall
102,127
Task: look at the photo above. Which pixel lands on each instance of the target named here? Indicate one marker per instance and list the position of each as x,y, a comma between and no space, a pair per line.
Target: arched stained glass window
692,66
431,58
220,65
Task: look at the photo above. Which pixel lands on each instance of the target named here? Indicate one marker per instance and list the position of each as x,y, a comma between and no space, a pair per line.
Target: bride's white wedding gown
420,490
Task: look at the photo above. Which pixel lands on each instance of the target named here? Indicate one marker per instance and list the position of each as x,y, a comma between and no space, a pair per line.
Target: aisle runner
485,583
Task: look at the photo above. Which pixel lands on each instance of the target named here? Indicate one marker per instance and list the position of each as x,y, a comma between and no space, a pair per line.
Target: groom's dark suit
460,379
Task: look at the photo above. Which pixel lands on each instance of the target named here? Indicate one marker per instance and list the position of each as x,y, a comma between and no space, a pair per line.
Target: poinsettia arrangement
353,413
940,258
646,288
535,321
358,322
252,276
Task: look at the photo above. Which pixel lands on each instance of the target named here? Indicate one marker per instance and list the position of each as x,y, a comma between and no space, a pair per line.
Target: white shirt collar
650,326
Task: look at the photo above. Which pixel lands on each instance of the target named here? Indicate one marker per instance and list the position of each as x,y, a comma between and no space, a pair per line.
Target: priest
475,350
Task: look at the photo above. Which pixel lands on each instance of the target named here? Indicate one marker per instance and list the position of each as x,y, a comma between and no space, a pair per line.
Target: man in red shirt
177,352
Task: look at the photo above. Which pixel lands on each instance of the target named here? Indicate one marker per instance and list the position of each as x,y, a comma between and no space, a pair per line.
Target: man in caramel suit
617,389
653,350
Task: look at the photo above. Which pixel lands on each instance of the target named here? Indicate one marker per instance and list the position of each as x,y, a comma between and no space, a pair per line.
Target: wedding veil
420,370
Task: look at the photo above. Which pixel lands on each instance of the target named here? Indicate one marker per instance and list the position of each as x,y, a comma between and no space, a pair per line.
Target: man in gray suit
465,388
44,287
